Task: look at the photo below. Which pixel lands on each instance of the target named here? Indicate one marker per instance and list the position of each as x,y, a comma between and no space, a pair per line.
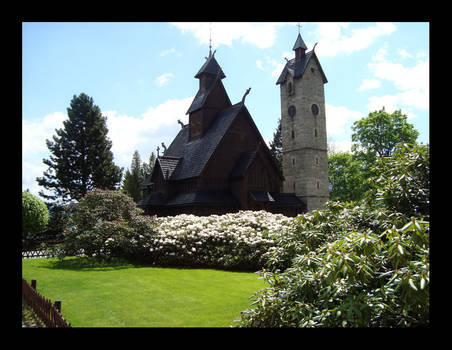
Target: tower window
318,185
315,109
312,70
315,133
317,160
290,88
293,134
293,161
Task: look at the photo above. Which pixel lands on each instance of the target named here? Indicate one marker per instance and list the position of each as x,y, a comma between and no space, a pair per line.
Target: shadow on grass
84,263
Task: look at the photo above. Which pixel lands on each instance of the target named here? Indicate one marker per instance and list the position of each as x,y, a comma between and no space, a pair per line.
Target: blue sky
141,75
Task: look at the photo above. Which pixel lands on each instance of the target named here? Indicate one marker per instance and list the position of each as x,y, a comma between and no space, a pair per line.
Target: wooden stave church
218,163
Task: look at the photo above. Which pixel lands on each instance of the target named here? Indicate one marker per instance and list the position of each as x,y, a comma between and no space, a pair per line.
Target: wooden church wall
239,138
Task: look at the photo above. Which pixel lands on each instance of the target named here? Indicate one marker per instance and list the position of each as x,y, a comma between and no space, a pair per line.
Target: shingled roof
195,154
211,66
299,66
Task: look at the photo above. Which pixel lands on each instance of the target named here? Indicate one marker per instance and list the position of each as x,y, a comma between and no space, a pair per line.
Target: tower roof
211,66
299,43
298,67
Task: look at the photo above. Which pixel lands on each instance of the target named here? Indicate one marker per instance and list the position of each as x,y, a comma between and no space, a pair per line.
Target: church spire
299,47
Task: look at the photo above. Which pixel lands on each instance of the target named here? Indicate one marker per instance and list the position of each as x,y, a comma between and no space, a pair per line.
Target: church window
318,185
293,161
312,70
315,133
294,186
293,134
317,160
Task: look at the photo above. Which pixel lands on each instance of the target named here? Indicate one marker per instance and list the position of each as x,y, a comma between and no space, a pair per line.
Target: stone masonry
305,162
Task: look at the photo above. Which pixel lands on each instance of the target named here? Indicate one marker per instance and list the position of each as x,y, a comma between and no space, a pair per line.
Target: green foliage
134,178
108,224
344,272
381,132
58,220
346,177
81,158
375,137
276,145
35,214
402,182
351,265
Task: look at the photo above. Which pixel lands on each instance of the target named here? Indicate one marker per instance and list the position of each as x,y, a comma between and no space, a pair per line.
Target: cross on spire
299,27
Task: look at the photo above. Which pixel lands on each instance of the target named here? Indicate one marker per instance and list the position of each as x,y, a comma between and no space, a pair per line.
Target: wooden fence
49,313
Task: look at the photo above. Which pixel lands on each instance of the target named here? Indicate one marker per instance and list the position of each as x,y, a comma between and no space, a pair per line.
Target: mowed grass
123,295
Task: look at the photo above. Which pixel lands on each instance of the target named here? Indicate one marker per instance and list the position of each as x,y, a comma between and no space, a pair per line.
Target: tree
276,145
346,177
402,182
147,167
35,214
375,137
134,178
379,133
81,158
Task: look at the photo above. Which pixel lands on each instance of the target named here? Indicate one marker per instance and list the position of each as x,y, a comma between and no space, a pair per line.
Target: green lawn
124,295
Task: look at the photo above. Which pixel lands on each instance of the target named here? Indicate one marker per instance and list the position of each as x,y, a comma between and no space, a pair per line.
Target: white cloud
262,35
404,53
274,65
335,38
129,133
368,84
404,78
171,51
340,146
259,64
163,79
412,83
339,118
30,171
36,132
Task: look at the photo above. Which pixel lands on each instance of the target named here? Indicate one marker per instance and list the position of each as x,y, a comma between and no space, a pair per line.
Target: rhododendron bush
236,240
107,224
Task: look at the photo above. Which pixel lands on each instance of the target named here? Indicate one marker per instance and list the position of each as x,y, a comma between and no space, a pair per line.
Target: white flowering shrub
235,240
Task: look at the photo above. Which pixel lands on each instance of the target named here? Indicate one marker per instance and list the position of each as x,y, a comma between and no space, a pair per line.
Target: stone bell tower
303,127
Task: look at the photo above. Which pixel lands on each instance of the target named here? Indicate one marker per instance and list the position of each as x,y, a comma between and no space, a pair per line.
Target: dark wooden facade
218,163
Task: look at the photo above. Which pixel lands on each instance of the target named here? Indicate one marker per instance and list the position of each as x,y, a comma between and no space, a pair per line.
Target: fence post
58,305
33,284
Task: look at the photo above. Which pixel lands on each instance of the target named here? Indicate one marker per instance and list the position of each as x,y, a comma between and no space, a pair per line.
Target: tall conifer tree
134,178
276,145
80,158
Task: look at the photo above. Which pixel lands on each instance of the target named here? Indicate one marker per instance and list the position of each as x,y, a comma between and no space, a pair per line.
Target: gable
215,96
298,67
195,154
237,149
